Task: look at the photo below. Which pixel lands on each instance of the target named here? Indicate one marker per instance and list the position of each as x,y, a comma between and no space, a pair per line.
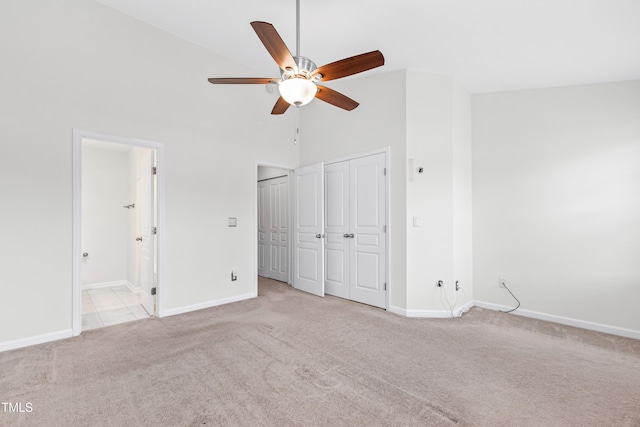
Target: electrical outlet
502,282
439,284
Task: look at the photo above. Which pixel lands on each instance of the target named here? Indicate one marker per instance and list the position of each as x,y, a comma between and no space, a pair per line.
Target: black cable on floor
514,297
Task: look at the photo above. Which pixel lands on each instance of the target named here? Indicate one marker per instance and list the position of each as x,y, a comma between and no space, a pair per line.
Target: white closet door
309,228
278,232
367,219
336,216
355,215
273,228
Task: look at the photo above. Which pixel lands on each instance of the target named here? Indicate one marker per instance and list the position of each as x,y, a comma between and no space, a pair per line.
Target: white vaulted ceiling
487,45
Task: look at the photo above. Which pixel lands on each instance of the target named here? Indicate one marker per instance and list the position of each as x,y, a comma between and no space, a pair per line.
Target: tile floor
110,306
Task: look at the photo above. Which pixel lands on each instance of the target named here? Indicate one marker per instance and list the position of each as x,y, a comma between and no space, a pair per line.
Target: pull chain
296,138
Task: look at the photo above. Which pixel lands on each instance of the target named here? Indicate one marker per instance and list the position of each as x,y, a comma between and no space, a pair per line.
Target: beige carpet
288,358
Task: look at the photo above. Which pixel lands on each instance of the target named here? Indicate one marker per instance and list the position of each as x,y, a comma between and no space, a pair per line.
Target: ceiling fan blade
241,81
349,66
280,107
274,44
336,98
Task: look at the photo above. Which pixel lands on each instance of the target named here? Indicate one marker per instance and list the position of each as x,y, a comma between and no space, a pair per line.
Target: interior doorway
338,234
117,195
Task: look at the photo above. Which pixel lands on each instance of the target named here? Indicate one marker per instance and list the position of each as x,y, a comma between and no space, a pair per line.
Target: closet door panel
336,194
367,218
273,228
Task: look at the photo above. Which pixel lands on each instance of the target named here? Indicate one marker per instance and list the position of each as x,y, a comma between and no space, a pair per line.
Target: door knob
346,235
138,239
351,235
85,254
318,236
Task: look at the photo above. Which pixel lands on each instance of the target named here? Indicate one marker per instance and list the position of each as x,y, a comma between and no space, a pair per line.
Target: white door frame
289,170
265,187
78,136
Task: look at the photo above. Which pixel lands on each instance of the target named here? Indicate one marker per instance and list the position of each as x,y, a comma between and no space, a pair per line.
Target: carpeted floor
288,358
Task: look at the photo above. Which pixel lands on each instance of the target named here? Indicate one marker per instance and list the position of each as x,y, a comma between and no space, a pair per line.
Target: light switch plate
233,222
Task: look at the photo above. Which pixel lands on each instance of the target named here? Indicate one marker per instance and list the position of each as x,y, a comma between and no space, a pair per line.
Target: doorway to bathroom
115,231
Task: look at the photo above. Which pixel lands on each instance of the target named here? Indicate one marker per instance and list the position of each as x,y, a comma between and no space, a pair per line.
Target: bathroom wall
106,233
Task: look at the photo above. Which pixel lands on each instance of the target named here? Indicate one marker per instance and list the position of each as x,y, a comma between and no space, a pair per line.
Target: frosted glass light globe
297,91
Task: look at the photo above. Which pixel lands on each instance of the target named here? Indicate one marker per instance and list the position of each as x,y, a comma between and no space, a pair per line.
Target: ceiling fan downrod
305,66
297,27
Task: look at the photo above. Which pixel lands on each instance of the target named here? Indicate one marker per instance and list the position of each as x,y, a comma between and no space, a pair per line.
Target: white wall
556,201
462,193
105,225
438,140
76,64
426,118
555,177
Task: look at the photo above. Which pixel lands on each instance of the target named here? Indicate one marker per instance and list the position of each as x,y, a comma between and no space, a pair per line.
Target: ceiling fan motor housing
305,68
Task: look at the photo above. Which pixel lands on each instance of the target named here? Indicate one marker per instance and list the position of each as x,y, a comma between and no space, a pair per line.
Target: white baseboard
206,304
434,314
613,330
397,310
132,288
38,339
462,309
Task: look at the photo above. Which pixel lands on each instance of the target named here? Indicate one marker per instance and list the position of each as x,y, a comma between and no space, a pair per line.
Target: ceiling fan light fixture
297,91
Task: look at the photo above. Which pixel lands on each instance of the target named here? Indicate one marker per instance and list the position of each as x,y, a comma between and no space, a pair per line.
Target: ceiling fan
299,80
